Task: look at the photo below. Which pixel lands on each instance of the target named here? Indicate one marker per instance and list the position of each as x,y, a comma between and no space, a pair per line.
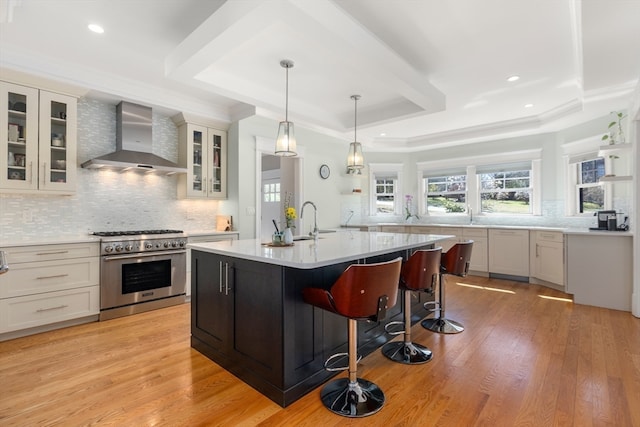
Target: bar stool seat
362,292
455,261
419,273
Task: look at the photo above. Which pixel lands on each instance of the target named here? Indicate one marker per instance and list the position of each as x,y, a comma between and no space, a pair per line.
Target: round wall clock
324,171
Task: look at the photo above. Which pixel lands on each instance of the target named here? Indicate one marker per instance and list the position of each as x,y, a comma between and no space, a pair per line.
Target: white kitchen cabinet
547,256
38,139
599,269
509,252
206,238
480,251
203,151
446,244
47,285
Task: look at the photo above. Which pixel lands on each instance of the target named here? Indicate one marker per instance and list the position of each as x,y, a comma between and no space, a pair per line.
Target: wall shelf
608,150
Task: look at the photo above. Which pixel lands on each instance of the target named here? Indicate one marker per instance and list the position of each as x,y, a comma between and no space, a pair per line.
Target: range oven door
135,278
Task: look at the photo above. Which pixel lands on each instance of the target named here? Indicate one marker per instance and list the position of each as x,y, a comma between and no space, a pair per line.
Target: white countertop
513,227
51,240
331,248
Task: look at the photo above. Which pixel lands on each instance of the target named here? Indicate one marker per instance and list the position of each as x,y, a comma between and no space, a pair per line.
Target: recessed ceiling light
383,134
96,28
528,105
513,78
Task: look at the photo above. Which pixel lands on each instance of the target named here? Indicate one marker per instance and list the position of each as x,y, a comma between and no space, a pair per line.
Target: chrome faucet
346,223
314,233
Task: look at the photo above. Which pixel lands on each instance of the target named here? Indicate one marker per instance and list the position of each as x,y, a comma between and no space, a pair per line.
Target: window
271,192
386,188
385,196
590,193
446,194
506,192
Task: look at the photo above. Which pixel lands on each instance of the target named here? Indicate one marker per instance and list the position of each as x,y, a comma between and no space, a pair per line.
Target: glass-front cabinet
37,140
203,151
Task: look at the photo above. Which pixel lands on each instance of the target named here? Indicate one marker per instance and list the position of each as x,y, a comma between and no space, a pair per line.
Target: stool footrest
392,324
340,368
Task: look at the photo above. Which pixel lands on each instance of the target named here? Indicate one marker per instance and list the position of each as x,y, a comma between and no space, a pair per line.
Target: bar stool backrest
357,291
420,272
456,260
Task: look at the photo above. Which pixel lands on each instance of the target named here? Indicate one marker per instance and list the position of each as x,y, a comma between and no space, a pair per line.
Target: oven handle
142,255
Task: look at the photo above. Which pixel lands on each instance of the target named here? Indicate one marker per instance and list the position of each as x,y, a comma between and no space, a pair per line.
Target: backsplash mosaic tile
107,200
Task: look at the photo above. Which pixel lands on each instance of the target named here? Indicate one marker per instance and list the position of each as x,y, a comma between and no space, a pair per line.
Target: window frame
385,171
580,185
424,208
506,170
471,165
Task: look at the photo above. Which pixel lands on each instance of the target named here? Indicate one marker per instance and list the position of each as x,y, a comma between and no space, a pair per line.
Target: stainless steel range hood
134,144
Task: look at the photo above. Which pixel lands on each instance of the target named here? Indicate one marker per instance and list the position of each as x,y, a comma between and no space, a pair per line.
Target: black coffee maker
608,220
603,219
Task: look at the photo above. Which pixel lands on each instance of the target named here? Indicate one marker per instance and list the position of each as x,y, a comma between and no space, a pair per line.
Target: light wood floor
525,359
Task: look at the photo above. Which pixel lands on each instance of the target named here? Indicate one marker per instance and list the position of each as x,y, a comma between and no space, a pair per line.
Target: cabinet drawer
393,229
20,254
47,276
549,236
37,310
212,238
474,232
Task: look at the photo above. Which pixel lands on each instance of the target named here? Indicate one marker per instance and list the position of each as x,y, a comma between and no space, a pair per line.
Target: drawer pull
52,277
40,310
53,253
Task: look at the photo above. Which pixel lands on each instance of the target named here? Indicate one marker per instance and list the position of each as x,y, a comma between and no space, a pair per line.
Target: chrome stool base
407,352
442,326
355,400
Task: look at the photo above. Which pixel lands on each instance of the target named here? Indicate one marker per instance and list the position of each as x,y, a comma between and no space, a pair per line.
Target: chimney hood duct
134,144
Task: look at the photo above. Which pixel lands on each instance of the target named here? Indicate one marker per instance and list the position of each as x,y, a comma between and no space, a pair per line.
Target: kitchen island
248,315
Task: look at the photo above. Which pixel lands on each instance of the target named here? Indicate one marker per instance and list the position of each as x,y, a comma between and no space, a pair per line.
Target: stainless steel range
141,271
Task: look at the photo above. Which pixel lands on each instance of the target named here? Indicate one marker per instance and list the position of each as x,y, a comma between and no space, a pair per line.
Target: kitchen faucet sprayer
314,233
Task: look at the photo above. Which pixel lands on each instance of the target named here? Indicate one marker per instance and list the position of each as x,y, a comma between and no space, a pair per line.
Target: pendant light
355,159
286,141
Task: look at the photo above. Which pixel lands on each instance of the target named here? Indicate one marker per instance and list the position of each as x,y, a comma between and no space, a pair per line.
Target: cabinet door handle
52,277
536,250
30,172
44,173
52,253
226,278
40,310
220,277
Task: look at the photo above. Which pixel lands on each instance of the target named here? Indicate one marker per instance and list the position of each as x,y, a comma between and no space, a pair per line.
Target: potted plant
615,134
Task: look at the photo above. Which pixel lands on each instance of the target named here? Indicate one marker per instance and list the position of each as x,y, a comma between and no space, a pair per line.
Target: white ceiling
431,73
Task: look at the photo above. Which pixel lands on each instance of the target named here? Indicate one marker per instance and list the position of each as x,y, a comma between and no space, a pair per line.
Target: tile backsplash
107,200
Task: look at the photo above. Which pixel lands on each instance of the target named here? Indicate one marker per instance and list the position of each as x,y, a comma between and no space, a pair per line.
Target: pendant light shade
355,159
286,141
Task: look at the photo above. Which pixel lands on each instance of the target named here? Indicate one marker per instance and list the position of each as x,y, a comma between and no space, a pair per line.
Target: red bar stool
419,273
455,261
362,292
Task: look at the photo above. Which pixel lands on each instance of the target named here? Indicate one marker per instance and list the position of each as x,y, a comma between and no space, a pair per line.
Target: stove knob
165,244
174,244
128,248
148,245
108,249
119,248
182,243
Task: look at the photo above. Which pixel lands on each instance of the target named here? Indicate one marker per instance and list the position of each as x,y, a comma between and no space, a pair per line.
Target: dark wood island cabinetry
247,312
